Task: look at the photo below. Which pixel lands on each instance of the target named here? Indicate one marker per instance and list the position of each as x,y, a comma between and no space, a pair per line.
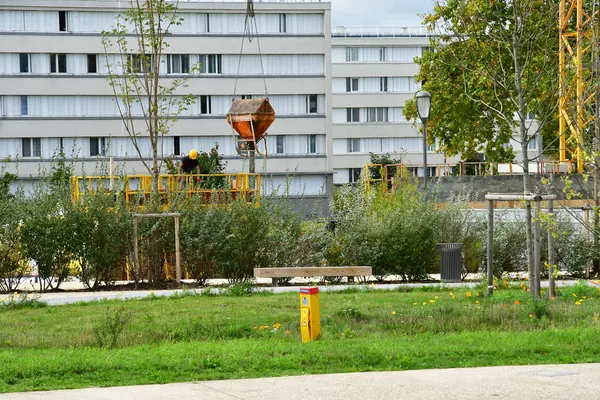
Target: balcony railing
380,31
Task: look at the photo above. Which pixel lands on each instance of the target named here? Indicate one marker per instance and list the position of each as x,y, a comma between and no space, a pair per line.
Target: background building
54,94
373,74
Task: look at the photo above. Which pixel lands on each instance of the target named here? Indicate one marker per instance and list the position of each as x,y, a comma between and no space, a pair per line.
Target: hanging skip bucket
251,118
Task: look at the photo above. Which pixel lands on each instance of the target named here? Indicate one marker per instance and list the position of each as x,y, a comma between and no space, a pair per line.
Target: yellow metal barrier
211,188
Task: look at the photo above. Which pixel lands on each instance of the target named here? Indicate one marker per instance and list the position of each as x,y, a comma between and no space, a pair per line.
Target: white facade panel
192,23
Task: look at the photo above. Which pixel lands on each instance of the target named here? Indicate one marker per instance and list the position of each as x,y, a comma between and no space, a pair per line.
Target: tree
135,77
492,65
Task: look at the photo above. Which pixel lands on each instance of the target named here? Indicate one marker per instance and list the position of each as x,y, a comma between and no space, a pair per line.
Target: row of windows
108,106
352,175
226,64
174,145
401,84
367,115
380,145
191,23
376,54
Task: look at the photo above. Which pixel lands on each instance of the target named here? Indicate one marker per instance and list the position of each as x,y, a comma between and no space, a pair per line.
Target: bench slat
290,272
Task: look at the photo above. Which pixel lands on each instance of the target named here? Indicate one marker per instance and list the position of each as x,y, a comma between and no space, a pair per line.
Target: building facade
54,94
373,75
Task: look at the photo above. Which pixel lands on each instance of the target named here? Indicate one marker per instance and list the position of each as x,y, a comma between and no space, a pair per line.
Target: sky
370,13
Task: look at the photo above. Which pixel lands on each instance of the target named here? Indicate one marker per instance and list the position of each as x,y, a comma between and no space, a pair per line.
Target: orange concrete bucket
251,118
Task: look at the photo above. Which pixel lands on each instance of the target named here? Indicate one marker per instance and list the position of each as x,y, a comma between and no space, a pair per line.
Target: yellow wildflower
432,301
261,327
530,315
414,304
468,294
517,302
477,302
393,312
436,297
578,303
424,303
287,332
574,295
276,325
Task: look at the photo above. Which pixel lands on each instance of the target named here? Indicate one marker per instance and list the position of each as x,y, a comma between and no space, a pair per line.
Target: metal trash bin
450,261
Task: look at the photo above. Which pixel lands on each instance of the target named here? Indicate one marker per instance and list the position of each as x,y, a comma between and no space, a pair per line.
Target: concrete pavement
70,297
547,382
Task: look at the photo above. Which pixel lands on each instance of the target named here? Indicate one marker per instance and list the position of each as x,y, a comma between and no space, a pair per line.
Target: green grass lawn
219,337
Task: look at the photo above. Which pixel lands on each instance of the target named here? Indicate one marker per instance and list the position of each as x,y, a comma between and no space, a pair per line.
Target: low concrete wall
476,187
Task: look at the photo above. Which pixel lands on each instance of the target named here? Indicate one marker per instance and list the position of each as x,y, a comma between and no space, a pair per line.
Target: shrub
247,230
47,235
394,233
203,239
109,330
102,259
12,265
510,247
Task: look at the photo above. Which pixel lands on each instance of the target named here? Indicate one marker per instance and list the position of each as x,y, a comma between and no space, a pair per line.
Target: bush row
397,234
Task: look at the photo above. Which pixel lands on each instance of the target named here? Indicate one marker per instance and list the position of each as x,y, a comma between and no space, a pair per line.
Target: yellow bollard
310,316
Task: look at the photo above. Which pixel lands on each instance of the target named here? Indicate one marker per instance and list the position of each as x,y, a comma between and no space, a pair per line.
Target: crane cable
249,23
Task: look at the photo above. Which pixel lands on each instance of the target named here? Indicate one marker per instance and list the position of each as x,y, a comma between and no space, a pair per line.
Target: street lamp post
423,108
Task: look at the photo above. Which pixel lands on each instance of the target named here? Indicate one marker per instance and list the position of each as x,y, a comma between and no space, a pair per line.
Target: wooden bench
293,272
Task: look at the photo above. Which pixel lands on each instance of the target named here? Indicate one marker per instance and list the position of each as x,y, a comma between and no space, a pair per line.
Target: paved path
547,382
67,297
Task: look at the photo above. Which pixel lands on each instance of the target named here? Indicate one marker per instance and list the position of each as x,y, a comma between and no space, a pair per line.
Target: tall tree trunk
522,112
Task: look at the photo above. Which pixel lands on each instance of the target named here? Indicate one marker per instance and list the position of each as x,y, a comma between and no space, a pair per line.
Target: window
205,105
31,147
176,145
97,147
382,54
210,64
311,144
24,105
282,23
353,145
2,109
58,63
431,171
62,21
532,145
351,84
377,114
383,84
24,63
138,63
246,96
352,114
279,142
354,175
351,54
311,104
431,148
92,64
178,64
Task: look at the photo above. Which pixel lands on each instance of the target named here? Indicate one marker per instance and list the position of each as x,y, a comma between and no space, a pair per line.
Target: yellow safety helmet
193,154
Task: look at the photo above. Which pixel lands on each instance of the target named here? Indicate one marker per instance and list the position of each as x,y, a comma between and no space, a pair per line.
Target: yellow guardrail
211,188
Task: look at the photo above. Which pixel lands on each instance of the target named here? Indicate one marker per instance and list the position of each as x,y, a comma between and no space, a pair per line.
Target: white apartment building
373,75
54,93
